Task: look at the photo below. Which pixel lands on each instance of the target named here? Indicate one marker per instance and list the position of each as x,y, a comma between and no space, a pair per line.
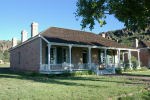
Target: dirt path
143,78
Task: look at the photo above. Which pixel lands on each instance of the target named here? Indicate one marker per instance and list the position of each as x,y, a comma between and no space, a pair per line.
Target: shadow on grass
137,75
68,80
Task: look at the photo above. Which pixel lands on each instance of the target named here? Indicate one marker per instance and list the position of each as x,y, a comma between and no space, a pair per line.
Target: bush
135,62
118,71
78,73
142,69
127,69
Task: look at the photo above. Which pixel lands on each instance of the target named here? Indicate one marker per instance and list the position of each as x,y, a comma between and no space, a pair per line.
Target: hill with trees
4,47
127,36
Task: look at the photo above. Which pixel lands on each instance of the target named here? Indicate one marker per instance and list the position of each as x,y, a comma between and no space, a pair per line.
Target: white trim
29,40
89,54
139,59
40,51
118,57
70,58
123,56
49,56
44,39
129,57
105,54
144,48
76,45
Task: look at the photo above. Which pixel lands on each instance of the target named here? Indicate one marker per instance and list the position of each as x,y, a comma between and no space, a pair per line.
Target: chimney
34,29
14,42
136,43
103,35
24,35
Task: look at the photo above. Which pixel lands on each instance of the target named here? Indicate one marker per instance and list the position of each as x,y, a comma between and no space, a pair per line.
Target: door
84,57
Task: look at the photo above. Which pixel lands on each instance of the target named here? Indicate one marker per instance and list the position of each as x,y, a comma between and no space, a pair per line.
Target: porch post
70,58
49,56
129,57
123,56
118,57
105,53
139,66
89,54
40,52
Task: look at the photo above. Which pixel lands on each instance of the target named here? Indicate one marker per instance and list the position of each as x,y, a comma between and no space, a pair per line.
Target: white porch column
139,66
49,56
105,53
123,56
118,57
89,54
129,57
70,58
40,52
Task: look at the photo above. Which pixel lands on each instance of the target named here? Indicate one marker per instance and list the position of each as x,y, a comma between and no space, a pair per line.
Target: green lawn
4,65
139,73
26,87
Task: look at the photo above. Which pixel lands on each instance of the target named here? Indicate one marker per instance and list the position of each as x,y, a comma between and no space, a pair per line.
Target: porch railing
67,66
63,67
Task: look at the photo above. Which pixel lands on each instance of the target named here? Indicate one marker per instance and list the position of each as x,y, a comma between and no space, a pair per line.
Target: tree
1,55
6,54
133,13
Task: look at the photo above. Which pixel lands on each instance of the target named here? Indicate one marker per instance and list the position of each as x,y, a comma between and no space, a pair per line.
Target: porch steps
106,71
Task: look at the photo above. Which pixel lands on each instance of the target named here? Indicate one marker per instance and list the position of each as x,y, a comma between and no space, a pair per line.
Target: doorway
84,57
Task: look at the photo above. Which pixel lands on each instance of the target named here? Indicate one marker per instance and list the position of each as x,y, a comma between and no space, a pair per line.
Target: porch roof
143,44
68,36
147,43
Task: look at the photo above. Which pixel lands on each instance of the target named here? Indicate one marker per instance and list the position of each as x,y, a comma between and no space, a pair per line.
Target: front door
84,57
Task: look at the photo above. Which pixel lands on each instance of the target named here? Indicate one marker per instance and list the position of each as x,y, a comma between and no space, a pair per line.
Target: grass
4,65
139,96
139,73
27,87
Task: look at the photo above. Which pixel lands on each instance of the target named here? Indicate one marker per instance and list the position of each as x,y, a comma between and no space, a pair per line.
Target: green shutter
59,55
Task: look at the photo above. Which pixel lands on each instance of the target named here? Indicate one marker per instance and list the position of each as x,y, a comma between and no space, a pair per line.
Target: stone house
56,50
144,48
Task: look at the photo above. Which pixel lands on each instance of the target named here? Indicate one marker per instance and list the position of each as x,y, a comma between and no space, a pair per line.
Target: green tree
1,55
6,56
133,13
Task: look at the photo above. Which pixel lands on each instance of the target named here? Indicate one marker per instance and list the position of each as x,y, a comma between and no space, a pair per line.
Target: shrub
128,69
144,68
118,70
135,62
78,73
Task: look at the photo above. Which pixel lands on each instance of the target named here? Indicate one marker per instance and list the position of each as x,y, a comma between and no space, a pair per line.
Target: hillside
4,46
126,36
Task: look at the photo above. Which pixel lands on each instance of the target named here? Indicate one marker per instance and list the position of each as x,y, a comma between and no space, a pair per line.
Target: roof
61,35
144,44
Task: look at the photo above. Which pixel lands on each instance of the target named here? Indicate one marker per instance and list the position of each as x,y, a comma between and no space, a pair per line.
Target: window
53,55
110,60
102,57
64,54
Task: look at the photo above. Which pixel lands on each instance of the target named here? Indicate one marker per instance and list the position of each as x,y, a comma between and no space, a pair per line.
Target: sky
17,15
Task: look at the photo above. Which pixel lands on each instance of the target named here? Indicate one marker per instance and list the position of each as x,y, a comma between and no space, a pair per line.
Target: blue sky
16,15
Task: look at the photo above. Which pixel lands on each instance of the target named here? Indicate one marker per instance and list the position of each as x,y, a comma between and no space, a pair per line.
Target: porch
60,57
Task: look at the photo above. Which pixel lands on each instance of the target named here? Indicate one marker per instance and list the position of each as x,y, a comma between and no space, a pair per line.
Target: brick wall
26,57
144,57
